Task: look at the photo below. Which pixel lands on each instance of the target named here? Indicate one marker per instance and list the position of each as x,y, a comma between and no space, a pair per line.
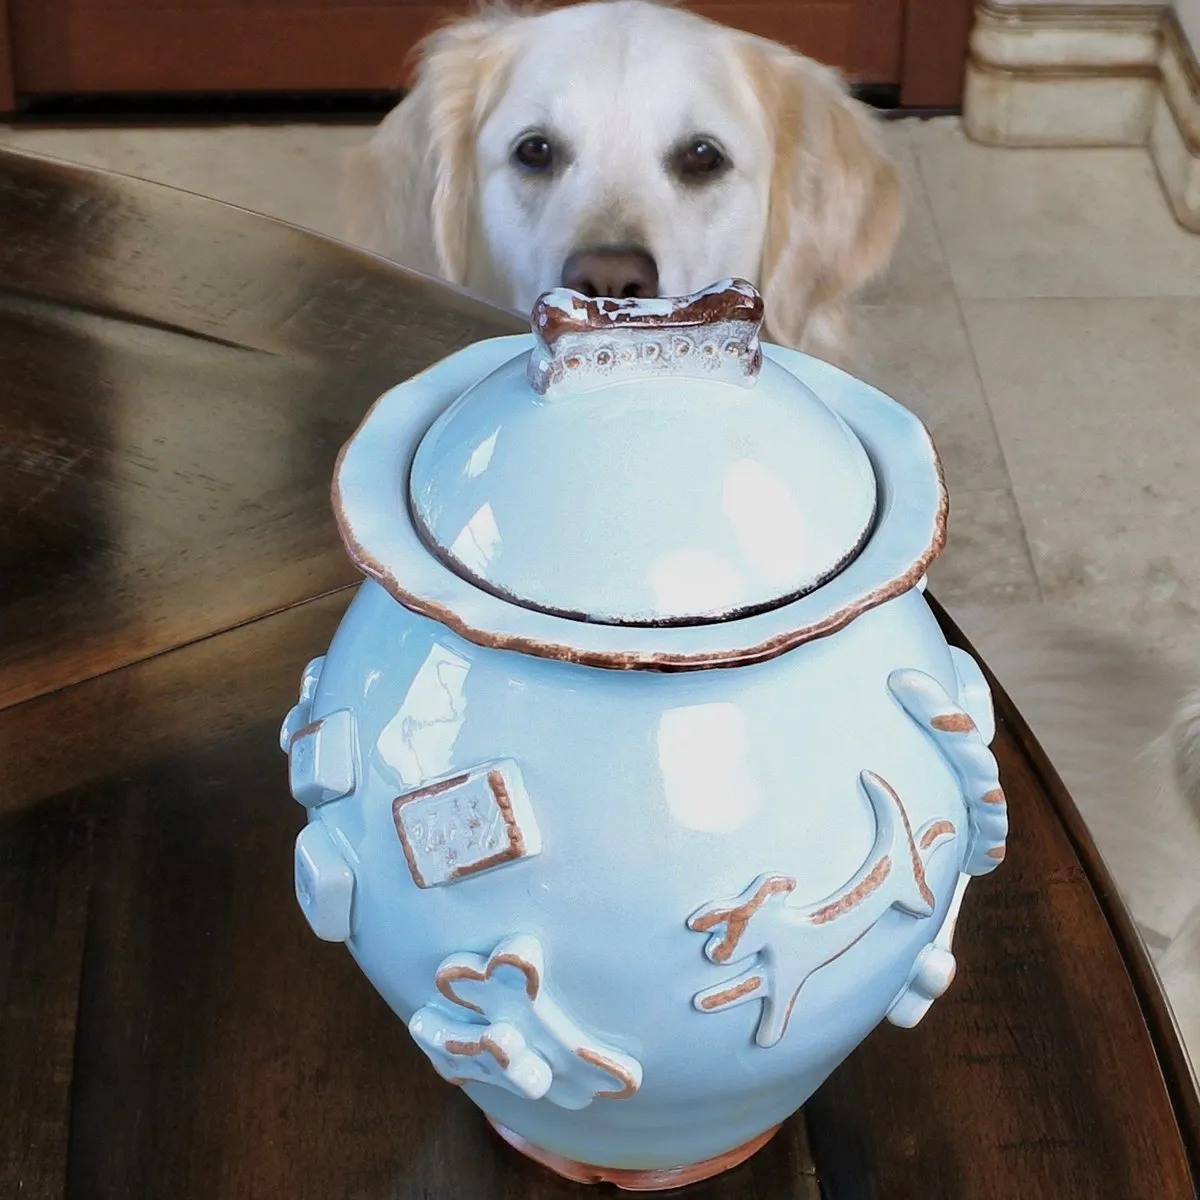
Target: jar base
653,1179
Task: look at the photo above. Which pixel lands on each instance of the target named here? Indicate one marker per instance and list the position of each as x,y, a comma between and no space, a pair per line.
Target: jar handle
585,343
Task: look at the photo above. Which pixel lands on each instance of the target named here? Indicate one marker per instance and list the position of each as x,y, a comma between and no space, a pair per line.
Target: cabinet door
80,47
863,38
76,47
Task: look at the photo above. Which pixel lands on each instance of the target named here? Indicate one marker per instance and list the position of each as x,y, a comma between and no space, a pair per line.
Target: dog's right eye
534,153
699,160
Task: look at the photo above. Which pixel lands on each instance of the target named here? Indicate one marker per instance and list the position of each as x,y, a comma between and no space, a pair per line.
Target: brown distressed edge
499,789
629,1085
516,837
409,854
652,1179
307,730
721,999
740,302
1071,14
1048,72
871,882
1178,1075
399,803
954,722
632,660
446,977
485,1045
1175,43
935,830
918,863
739,917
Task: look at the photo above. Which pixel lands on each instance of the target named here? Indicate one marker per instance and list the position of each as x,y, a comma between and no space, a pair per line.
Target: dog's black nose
618,272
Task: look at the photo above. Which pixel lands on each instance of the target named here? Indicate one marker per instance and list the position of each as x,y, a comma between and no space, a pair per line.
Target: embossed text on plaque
457,827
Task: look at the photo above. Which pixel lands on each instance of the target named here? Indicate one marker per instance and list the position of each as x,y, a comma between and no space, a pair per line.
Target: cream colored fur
810,211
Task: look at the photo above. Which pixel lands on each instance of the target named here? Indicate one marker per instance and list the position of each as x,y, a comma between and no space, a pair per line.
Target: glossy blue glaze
641,913
513,486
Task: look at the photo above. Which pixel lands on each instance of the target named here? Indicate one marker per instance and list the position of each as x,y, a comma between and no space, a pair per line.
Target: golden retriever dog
628,148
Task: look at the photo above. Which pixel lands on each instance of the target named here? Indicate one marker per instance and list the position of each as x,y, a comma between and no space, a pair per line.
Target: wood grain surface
176,378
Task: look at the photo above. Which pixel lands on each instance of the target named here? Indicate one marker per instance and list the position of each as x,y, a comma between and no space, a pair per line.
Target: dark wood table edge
81,680
1176,1071
1178,1074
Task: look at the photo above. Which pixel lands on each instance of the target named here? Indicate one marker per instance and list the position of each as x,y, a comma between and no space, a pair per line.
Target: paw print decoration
495,1022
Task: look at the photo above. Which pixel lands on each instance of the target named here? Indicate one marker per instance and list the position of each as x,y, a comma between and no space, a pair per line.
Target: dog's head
626,148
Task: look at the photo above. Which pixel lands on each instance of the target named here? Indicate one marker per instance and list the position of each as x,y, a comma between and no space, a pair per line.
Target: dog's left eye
534,153
699,159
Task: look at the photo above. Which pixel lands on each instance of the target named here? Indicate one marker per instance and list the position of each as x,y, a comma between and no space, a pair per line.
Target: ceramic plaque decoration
639,777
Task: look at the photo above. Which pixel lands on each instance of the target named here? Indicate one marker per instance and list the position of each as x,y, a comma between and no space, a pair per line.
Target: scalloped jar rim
384,542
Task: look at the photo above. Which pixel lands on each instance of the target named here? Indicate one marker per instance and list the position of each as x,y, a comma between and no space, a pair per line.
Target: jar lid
642,465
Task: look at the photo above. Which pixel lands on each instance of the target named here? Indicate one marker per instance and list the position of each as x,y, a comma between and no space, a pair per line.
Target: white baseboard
1174,139
1089,75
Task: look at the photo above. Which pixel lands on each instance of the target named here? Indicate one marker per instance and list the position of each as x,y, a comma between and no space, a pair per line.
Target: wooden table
175,379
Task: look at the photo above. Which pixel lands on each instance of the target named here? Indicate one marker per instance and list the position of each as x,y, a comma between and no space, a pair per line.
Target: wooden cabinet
96,47
6,71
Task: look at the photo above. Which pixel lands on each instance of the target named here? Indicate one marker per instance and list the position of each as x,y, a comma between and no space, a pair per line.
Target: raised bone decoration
495,1022
583,342
961,744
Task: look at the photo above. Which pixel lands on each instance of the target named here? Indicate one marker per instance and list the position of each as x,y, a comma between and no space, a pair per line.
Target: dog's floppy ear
409,193
835,200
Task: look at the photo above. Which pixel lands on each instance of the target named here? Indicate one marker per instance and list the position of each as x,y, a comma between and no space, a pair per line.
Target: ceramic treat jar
640,779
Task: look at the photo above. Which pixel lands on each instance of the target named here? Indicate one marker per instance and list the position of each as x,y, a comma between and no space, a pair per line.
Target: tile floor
1043,316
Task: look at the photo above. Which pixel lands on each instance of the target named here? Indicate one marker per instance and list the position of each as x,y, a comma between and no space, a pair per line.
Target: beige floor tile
1070,223
909,340
1095,402
287,171
918,272
986,560
920,355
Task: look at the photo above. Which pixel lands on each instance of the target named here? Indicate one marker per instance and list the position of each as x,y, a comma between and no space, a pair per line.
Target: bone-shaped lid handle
585,342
